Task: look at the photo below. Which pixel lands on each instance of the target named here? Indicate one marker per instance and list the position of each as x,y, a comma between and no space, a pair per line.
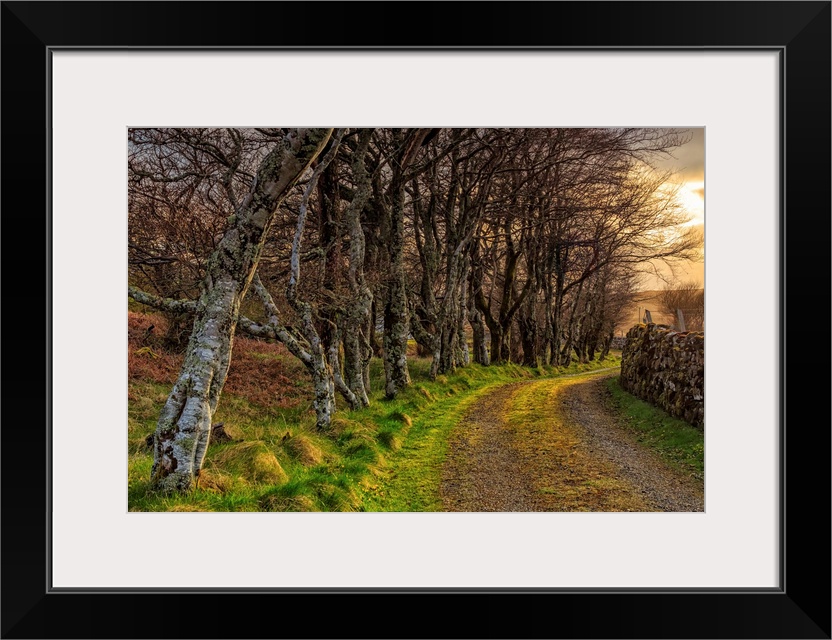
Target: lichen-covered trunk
355,350
367,342
498,354
527,324
557,305
447,363
556,324
375,342
337,378
397,376
568,341
184,427
396,312
447,352
428,339
324,386
358,350
478,331
329,242
547,348
451,336
358,317
463,356
587,332
475,316
447,340
396,319
501,340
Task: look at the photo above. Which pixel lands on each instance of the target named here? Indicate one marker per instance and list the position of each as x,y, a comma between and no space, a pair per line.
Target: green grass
681,445
386,457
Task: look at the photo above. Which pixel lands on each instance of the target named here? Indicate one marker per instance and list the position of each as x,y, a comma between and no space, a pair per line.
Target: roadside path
555,445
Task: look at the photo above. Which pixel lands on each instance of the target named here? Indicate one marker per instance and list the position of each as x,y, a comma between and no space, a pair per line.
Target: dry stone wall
667,369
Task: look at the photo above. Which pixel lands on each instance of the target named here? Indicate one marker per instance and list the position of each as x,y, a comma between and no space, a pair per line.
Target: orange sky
689,164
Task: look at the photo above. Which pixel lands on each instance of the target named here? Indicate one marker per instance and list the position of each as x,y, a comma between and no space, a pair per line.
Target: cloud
689,159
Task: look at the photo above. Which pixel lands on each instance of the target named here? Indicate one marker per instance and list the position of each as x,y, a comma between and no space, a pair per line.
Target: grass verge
679,444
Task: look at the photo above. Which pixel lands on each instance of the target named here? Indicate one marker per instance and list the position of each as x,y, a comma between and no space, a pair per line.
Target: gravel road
489,469
484,471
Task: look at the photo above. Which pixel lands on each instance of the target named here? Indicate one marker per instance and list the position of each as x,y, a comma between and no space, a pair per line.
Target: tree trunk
478,329
344,389
605,348
424,325
375,344
497,351
358,322
475,316
184,425
396,316
556,312
463,355
527,324
566,352
354,361
396,332
447,363
323,371
329,242
428,340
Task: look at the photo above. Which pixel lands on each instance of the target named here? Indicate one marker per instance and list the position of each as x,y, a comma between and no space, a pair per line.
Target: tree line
343,244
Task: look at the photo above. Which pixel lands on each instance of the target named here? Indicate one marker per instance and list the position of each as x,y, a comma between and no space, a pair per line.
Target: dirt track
555,445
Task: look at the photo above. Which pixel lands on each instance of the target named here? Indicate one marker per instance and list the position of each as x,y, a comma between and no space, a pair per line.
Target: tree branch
294,277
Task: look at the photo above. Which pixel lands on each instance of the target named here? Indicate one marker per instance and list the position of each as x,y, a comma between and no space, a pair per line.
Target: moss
186,443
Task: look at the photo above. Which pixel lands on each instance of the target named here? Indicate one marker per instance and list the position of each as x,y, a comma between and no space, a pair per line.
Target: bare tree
184,427
406,144
687,297
358,316
447,210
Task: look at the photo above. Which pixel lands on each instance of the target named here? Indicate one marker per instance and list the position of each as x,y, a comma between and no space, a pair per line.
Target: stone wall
667,369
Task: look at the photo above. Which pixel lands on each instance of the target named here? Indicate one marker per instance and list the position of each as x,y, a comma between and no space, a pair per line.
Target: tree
184,427
449,200
405,144
358,315
687,297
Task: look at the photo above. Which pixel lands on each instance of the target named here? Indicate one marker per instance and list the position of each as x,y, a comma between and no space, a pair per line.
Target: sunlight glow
692,198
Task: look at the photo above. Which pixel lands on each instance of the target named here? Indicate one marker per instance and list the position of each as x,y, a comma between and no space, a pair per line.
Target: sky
688,162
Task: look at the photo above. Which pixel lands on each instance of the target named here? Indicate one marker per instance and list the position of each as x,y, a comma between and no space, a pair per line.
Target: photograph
416,319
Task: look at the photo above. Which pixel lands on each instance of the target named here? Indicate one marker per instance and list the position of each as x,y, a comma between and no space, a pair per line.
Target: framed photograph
755,76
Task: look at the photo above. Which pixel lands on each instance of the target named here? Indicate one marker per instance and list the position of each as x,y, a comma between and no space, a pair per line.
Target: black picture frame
800,608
